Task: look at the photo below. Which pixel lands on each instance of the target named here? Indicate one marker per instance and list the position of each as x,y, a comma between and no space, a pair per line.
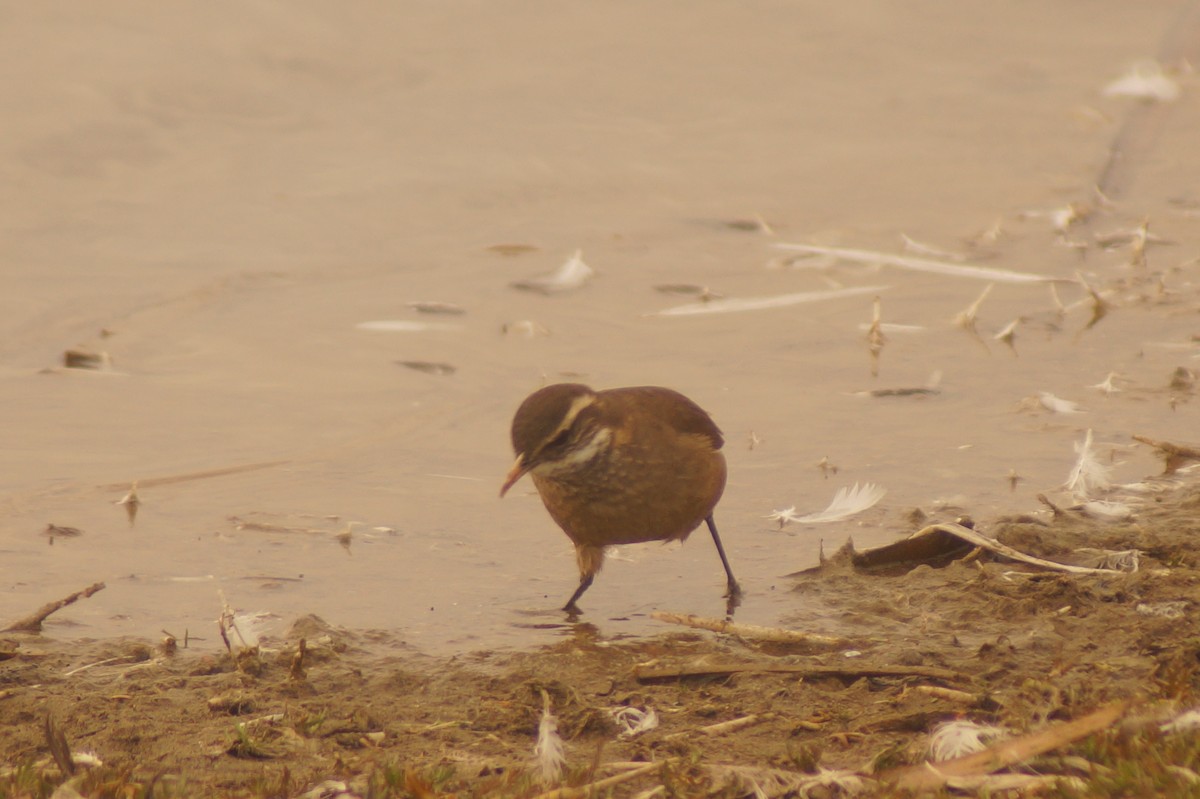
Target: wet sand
217,197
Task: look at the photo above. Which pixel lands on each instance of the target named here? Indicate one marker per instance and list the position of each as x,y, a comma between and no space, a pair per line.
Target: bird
620,466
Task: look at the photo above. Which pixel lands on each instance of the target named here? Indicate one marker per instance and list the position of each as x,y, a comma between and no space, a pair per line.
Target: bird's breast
619,489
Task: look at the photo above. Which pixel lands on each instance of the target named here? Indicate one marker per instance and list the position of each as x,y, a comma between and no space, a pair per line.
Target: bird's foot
732,600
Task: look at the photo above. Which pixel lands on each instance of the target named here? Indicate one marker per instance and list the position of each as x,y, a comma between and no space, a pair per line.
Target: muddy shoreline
981,639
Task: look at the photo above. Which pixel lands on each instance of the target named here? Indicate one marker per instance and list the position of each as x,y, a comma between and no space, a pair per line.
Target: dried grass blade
923,264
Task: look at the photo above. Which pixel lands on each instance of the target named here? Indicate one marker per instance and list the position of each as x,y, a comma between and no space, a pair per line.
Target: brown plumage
620,466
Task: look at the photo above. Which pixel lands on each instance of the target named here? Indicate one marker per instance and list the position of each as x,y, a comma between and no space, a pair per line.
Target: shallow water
218,202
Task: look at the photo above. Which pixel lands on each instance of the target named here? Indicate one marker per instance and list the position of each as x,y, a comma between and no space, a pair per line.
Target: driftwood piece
654,670
751,631
1173,455
932,776
33,622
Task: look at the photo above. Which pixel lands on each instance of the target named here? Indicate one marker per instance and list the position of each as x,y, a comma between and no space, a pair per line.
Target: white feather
549,749
633,721
571,275
1106,510
1088,476
1188,721
847,502
89,759
1108,386
1145,80
957,738
1056,404
782,516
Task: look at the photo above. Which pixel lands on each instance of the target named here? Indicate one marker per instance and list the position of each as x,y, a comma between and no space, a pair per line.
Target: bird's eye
559,440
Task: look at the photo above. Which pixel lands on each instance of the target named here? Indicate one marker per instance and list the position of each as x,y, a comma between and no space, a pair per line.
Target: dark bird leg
584,583
734,590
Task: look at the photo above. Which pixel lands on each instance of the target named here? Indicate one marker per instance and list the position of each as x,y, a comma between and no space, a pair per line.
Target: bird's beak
514,474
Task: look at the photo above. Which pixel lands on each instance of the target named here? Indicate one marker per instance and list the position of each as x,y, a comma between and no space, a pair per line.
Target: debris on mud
1087,681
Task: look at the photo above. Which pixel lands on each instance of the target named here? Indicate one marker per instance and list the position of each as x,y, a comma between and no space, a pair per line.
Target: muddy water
218,198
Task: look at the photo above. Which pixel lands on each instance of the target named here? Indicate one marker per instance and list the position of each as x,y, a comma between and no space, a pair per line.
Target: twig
774,634
33,622
952,695
930,777
592,787
724,727
1057,511
655,671
1173,455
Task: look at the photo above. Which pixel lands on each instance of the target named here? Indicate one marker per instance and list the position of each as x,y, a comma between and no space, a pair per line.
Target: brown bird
619,467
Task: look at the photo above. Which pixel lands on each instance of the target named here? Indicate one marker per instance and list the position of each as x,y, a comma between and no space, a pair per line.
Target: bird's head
552,429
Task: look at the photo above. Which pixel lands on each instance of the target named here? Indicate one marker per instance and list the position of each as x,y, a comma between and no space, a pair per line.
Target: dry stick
733,725
592,787
1174,455
654,671
951,694
33,622
931,776
775,634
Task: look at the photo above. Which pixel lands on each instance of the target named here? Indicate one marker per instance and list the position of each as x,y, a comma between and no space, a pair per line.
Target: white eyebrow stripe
577,405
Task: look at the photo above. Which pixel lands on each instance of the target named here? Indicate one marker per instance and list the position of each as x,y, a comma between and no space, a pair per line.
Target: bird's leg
733,589
584,582
590,559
